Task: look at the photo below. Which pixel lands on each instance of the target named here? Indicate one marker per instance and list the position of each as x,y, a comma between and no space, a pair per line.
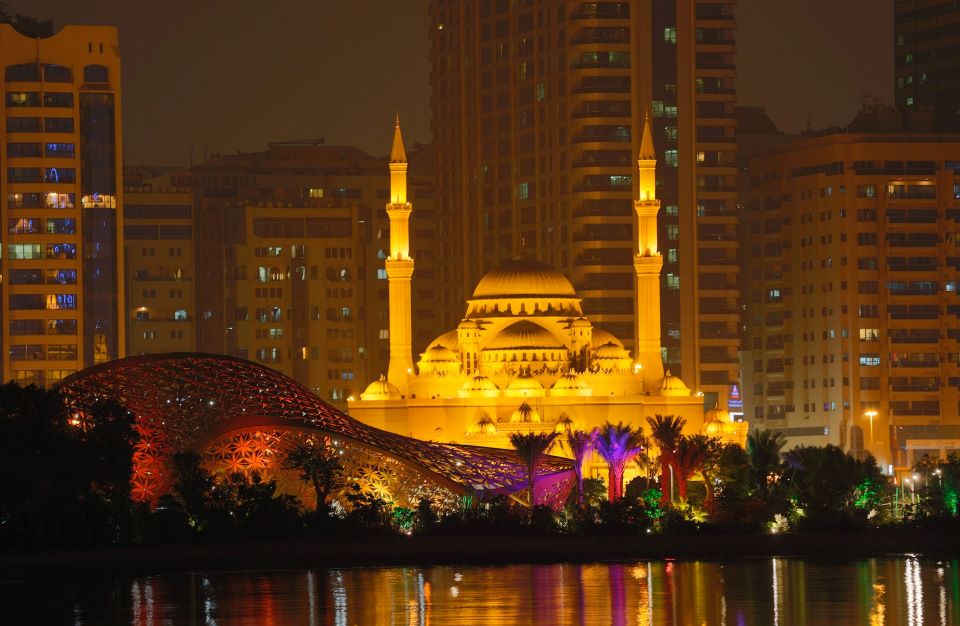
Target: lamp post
871,413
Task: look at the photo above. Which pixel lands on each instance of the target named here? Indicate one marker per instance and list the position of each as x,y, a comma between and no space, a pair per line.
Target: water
780,592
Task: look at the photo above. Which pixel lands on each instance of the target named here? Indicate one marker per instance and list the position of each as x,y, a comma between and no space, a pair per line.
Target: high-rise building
537,113
927,59
852,313
61,203
278,257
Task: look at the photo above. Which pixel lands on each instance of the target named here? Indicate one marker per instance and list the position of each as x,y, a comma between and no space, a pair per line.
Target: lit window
523,191
670,34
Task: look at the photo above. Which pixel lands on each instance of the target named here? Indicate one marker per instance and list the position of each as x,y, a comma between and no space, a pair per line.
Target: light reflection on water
906,590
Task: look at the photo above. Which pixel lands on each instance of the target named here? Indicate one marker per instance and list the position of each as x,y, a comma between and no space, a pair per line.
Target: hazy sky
236,74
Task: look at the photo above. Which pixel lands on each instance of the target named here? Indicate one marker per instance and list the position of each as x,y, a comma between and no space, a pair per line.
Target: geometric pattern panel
192,401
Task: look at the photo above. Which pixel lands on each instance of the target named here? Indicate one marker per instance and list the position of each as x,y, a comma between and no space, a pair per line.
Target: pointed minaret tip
647,153
397,153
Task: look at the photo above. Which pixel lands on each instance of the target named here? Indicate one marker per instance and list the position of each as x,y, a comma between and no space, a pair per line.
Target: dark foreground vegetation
66,499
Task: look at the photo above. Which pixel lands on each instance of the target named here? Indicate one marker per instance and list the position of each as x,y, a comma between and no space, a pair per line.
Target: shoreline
423,551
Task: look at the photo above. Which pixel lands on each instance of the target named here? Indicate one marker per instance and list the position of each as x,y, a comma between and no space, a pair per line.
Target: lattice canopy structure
244,417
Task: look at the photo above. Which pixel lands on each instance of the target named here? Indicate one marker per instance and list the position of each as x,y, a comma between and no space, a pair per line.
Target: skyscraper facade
62,291
537,113
927,59
852,309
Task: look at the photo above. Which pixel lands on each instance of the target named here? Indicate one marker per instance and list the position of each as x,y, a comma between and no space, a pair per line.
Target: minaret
399,266
647,264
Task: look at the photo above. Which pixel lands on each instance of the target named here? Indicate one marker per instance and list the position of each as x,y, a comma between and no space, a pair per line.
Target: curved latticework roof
523,277
182,401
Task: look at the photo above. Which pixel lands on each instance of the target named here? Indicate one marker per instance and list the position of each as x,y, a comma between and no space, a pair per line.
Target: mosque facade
525,358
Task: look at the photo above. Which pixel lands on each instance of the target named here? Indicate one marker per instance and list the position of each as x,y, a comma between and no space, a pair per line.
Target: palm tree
692,454
666,432
580,443
319,464
763,450
711,466
618,445
531,448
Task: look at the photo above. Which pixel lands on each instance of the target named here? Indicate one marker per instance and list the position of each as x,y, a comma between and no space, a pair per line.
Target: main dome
524,277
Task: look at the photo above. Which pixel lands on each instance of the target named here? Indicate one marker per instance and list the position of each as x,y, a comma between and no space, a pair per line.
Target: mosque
525,358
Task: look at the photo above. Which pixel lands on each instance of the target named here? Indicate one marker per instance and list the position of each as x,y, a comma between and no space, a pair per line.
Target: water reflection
907,590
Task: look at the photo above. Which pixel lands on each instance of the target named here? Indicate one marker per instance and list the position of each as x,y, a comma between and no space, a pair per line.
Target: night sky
227,76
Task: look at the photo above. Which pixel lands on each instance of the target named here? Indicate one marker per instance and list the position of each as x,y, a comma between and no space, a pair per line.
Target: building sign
735,403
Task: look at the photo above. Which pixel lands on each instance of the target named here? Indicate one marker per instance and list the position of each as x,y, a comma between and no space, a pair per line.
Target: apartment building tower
852,317
61,208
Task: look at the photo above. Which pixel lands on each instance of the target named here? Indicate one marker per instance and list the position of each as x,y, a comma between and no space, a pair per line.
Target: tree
763,450
692,454
618,445
531,448
710,468
666,431
831,487
580,443
319,464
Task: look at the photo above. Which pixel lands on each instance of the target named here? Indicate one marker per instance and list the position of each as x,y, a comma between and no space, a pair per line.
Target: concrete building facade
851,305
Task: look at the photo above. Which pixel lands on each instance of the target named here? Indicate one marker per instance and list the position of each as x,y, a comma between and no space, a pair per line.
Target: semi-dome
570,384
601,337
440,354
523,386
524,335
479,386
525,413
672,386
611,350
381,389
524,277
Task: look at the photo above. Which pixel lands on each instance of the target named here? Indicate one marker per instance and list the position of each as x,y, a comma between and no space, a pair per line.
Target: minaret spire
647,262
399,266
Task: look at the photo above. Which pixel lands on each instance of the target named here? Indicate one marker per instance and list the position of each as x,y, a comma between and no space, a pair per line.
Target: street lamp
871,413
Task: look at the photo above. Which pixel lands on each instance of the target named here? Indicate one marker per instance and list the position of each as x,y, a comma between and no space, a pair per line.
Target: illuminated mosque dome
479,386
672,386
523,386
570,384
524,277
565,424
439,360
381,389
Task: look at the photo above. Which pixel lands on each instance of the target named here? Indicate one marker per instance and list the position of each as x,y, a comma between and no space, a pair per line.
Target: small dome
468,325
671,385
523,277
381,389
570,384
439,354
716,414
581,322
479,385
524,386
524,335
611,350
484,426
601,337
525,413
